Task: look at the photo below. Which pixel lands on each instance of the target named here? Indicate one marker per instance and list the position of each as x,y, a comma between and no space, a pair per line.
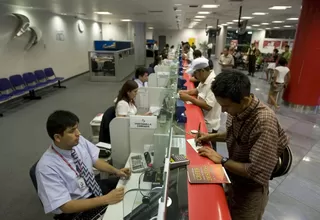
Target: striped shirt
255,137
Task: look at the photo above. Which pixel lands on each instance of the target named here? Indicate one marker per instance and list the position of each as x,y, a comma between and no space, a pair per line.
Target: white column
139,42
220,44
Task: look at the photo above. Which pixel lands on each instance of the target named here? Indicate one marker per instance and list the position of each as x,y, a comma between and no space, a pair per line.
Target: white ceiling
140,10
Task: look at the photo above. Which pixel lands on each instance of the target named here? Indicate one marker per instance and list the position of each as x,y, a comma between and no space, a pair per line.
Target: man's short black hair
231,84
59,121
140,72
197,54
282,61
287,46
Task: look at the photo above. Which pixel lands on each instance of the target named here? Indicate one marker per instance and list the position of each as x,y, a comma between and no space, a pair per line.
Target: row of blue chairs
20,85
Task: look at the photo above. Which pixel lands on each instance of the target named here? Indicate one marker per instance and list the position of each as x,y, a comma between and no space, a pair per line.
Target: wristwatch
224,160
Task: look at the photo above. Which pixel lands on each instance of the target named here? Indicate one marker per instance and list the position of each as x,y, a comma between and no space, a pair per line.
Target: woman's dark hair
127,87
276,50
167,46
140,72
197,54
231,84
282,61
172,47
59,121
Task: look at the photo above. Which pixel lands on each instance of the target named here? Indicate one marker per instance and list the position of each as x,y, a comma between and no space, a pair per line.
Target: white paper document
193,144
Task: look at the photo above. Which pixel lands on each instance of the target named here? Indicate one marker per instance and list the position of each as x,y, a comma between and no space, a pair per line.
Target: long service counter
206,201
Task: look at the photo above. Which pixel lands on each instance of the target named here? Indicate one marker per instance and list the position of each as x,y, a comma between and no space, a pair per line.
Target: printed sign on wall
271,44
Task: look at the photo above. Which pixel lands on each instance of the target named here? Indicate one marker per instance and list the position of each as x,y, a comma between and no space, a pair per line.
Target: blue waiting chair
6,90
19,84
51,77
41,77
31,80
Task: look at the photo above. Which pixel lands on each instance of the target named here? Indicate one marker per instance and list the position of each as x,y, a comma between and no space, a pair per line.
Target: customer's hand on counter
211,154
185,97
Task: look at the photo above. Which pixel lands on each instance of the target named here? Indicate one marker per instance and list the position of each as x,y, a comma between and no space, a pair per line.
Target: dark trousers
252,64
156,53
209,53
213,143
106,186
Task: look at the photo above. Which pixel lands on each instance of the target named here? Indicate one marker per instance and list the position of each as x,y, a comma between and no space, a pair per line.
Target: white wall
260,36
67,58
175,37
149,34
115,32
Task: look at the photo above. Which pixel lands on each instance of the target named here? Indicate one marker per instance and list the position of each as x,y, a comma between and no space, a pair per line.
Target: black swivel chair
32,174
104,134
94,66
108,68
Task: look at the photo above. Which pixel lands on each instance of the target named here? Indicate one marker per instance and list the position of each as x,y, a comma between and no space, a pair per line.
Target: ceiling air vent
235,0
156,11
193,6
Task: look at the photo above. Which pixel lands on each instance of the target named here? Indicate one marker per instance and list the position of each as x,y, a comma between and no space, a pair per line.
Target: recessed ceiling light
249,32
247,18
177,4
103,13
268,28
209,26
229,27
279,7
151,28
287,26
293,19
224,24
126,20
210,6
236,20
259,13
230,22
255,25
265,23
278,22
178,10
200,16
276,27
197,19
204,12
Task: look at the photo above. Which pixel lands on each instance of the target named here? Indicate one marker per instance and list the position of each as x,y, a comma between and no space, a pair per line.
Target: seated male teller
141,77
65,179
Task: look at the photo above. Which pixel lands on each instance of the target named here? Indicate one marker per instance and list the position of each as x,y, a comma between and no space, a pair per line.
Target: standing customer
204,97
226,60
255,140
209,50
286,54
280,80
155,49
252,60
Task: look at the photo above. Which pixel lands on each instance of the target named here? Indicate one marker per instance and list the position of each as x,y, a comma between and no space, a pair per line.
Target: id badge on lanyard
81,183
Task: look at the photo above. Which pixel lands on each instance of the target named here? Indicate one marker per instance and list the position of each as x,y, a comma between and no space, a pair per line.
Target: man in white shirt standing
205,98
209,50
155,49
141,77
226,60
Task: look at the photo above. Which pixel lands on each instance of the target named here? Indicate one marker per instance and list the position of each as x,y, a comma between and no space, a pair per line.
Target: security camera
175,8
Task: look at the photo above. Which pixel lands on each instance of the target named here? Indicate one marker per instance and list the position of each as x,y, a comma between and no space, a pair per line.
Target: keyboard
94,214
138,163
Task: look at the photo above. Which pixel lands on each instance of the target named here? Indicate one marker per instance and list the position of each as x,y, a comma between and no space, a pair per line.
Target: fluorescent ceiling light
230,22
259,13
63,13
200,16
229,27
255,25
246,18
197,19
293,19
276,27
268,28
287,26
178,10
236,20
210,6
265,23
279,7
224,24
278,22
177,4
103,13
151,28
209,26
126,20
249,32
248,27
204,12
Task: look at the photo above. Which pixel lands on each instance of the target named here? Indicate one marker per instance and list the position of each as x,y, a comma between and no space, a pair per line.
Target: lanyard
65,161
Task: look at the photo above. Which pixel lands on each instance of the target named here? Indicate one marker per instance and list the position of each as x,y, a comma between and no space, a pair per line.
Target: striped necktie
86,175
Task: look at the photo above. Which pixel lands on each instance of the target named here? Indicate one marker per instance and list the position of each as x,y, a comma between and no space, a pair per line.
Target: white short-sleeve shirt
283,71
125,108
211,117
57,182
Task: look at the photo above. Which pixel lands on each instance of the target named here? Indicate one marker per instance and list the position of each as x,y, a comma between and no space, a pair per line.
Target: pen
198,134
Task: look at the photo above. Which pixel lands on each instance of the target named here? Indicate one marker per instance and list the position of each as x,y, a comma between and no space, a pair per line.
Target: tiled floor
295,196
